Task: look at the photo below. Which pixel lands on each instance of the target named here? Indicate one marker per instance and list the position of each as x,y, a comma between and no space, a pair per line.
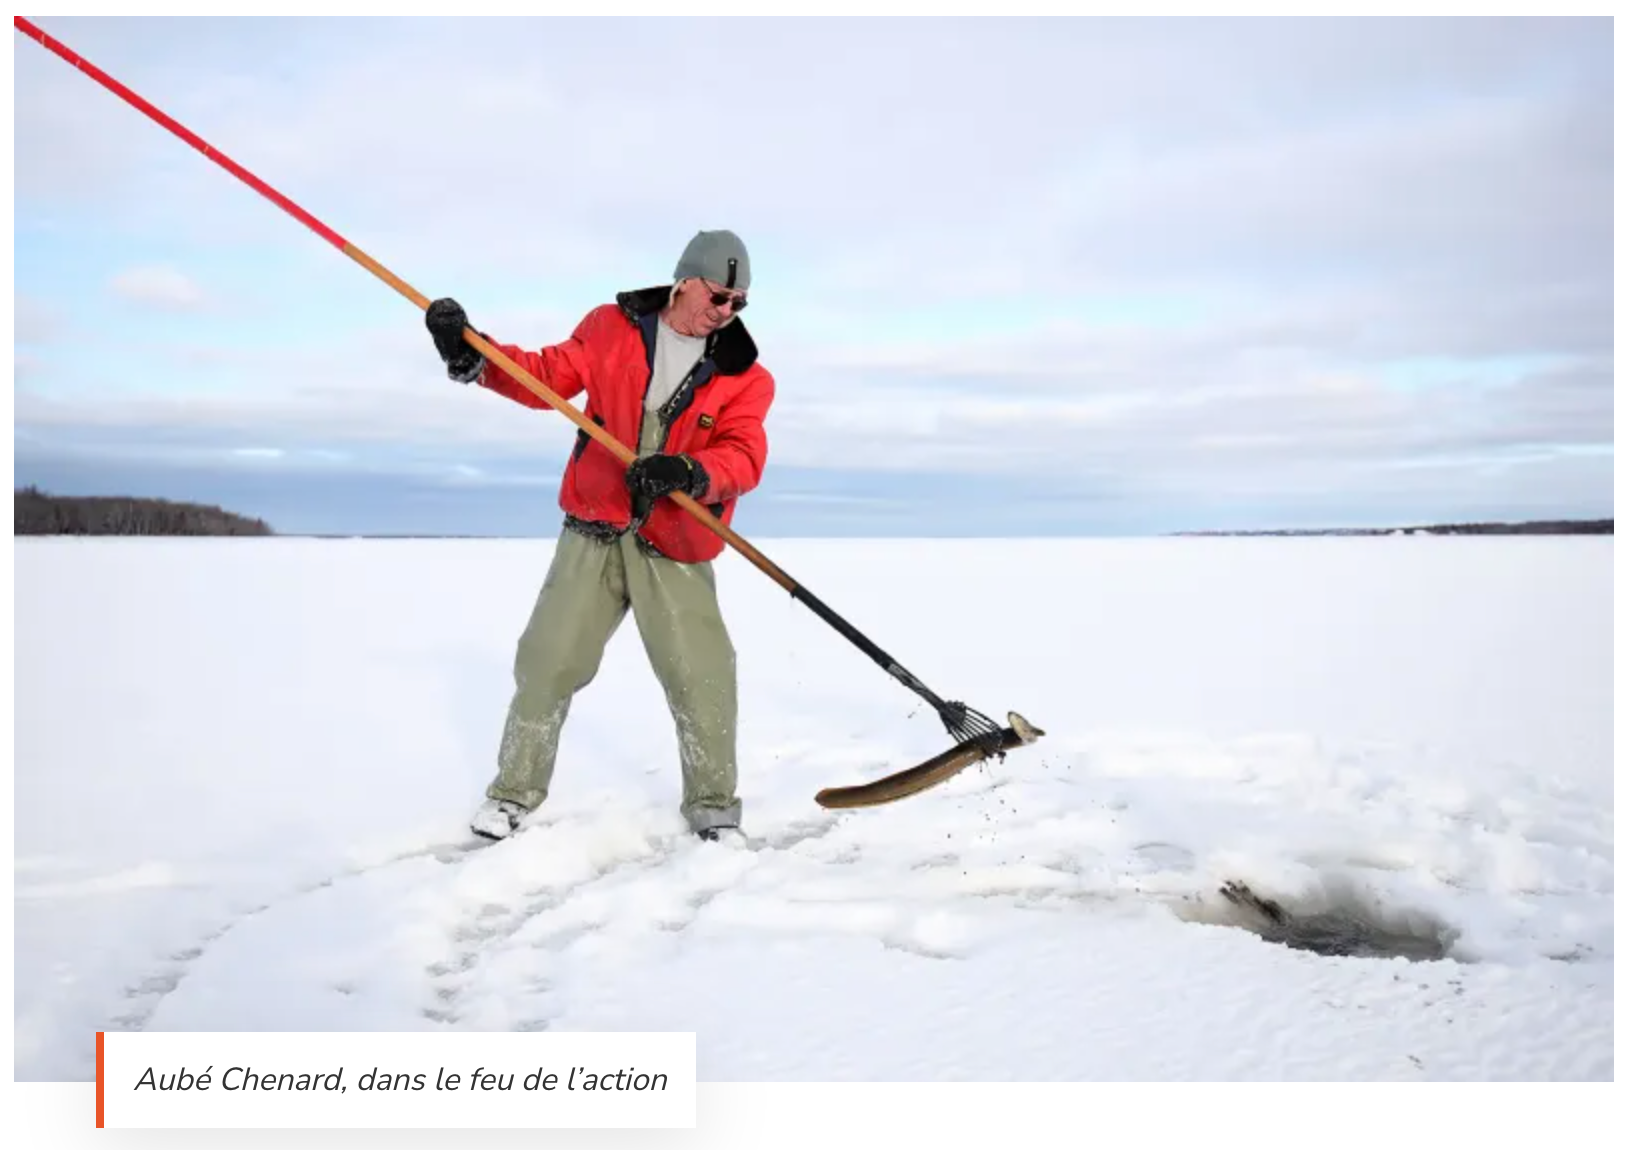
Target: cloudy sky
1012,278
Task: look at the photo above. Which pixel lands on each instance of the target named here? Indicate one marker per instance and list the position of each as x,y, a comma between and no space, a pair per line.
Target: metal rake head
968,725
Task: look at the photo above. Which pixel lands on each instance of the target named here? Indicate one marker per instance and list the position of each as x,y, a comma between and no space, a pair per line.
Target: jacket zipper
685,384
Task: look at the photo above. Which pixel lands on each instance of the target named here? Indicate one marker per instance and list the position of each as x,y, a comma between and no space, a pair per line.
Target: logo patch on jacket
705,421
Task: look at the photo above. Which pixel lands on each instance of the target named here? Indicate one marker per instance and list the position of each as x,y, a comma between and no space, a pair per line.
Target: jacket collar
731,348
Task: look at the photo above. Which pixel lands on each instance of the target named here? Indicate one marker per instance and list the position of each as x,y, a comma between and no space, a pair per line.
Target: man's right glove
446,320
654,476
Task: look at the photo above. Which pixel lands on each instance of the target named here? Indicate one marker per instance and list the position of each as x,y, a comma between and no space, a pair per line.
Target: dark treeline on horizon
39,513
1529,527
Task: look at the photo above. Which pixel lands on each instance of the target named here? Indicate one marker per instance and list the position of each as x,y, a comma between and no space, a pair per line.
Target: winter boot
497,818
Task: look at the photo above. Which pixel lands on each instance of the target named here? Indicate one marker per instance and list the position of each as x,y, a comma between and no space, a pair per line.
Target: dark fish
914,780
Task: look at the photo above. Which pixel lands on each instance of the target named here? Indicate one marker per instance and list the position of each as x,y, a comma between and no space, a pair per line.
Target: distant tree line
1530,527
39,513
1534,527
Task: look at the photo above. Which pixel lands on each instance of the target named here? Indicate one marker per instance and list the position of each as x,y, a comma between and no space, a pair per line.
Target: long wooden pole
611,443
960,719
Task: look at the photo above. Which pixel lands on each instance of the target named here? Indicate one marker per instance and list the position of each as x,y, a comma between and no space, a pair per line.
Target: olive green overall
590,587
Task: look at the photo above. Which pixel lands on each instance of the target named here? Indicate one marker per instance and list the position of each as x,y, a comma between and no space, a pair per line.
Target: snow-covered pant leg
676,608
582,601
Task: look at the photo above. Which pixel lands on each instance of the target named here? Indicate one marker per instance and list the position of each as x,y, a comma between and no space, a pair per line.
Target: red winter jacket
715,417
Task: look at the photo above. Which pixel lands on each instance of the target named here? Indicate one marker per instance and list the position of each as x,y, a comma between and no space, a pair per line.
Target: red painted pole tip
100,1057
203,146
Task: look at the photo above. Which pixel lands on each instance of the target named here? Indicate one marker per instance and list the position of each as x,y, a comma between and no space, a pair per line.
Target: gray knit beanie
718,256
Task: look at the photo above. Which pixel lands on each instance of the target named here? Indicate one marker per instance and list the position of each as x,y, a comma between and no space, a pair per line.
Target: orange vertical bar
98,1080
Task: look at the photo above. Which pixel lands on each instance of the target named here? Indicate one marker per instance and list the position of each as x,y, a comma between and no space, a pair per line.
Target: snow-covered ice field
227,751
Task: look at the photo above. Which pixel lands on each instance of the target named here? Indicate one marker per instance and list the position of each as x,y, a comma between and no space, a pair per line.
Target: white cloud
26,365
35,321
160,287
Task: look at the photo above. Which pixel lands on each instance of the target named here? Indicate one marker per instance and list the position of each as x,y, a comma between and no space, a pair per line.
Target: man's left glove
446,320
654,476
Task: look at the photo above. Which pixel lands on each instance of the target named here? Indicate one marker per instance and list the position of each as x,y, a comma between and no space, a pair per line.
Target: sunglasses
719,298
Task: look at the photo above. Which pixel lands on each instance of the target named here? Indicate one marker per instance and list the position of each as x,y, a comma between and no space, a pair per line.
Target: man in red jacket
672,372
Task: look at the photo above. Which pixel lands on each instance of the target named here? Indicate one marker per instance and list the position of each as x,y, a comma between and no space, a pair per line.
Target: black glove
654,476
446,320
